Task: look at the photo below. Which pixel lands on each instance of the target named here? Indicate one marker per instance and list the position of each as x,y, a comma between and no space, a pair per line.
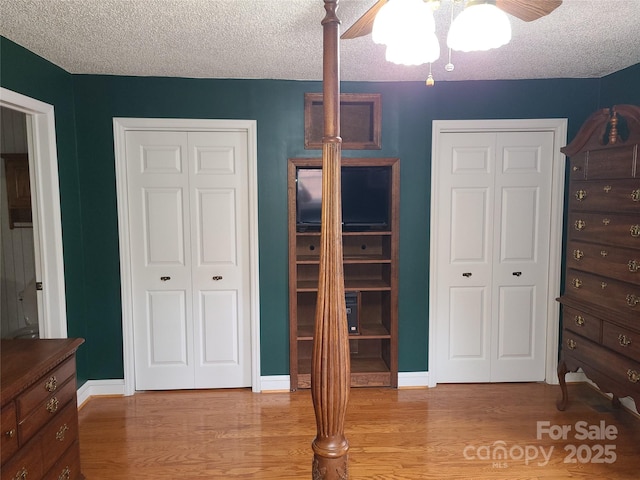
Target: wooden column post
330,369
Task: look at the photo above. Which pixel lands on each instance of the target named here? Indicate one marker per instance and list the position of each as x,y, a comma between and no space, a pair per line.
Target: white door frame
559,127
120,127
45,202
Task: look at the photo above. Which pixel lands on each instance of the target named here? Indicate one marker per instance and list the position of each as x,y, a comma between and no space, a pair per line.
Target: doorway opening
18,298
45,222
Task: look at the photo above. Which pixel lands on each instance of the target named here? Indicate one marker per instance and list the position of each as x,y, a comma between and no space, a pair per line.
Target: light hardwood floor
442,433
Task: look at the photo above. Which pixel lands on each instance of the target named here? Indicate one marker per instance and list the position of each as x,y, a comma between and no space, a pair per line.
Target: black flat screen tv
365,198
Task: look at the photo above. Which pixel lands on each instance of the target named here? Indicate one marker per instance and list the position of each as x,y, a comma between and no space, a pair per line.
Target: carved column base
330,468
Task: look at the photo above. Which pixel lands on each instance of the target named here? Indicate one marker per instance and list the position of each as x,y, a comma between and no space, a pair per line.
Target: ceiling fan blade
364,24
528,10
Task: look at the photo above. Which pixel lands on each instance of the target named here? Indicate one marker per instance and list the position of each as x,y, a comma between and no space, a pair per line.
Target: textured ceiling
282,39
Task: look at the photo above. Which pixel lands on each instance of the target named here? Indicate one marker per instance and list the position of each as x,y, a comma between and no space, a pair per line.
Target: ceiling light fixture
408,29
480,26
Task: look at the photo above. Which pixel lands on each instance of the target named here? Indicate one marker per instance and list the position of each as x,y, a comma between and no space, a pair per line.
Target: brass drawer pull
51,384
578,254
635,231
61,432
580,224
66,474
576,168
581,195
635,195
576,282
603,285
580,320
634,377
606,221
607,188
634,266
22,474
632,300
603,253
624,340
571,344
10,433
52,405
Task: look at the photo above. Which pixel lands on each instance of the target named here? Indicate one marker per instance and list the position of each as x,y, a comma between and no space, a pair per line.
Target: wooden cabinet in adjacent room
370,215
601,300
16,166
39,410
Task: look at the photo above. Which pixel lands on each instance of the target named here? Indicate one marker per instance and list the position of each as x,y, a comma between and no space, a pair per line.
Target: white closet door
521,255
188,217
159,218
491,295
466,205
220,259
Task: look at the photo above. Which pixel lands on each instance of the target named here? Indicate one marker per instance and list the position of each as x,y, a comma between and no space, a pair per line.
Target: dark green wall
31,75
621,87
408,110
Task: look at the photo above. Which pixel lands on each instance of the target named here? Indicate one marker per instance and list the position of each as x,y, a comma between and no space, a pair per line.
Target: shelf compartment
361,276
362,285
362,247
375,313
306,307
369,366
367,332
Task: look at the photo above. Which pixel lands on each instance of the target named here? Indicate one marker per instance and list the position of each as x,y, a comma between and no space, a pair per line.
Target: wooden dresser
601,300
39,410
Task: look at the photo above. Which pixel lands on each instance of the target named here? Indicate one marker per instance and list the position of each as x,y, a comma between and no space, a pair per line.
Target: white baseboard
279,383
575,377
93,388
413,379
275,383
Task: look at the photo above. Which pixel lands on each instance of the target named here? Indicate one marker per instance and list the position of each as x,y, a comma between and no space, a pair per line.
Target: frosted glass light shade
424,50
407,28
480,26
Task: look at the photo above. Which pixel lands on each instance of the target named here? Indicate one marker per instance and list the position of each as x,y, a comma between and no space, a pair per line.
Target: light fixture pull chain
449,66
430,81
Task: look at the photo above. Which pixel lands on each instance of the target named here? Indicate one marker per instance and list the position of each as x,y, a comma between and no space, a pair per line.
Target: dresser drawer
616,367
47,385
613,229
586,325
609,261
48,409
60,434
27,463
609,163
604,292
605,196
622,340
67,467
9,431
